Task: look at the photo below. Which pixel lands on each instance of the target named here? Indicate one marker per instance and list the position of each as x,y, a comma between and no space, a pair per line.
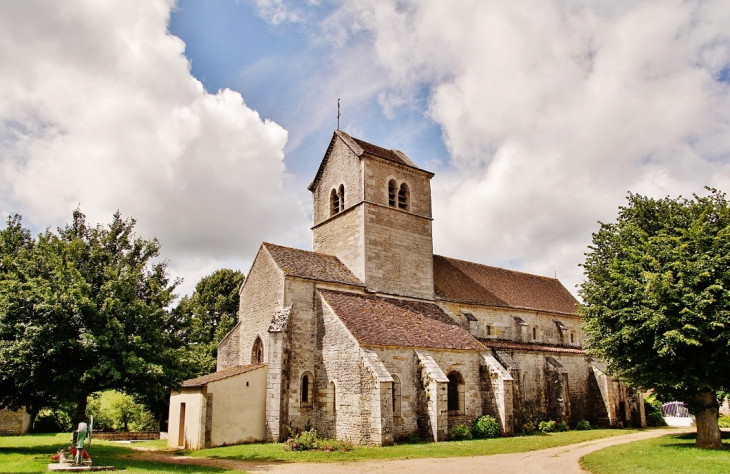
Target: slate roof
379,321
221,374
468,282
527,346
311,265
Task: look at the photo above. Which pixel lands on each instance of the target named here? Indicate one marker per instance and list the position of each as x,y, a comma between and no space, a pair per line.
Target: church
370,337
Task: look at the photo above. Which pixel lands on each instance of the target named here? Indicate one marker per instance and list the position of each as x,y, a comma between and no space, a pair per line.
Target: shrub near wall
485,427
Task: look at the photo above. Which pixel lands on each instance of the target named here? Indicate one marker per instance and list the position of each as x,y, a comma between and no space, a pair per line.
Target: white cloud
98,108
552,111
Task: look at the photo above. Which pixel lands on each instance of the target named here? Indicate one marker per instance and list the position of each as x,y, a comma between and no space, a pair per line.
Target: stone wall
378,172
343,237
398,252
261,294
14,422
343,167
502,324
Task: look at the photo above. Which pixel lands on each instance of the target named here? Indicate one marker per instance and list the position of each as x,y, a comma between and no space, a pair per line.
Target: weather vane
338,114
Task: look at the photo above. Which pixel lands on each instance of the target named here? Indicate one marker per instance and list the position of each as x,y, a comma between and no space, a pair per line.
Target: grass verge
483,447
32,453
665,455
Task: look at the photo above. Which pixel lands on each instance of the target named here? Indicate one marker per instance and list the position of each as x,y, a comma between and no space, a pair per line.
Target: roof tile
526,346
379,321
311,265
470,282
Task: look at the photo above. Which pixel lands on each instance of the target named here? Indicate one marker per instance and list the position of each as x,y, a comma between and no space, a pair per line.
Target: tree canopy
82,310
209,314
657,300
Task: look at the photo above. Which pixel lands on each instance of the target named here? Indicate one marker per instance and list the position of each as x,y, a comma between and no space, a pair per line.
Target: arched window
306,387
332,399
396,396
403,195
334,202
456,394
257,353
342,197
392,192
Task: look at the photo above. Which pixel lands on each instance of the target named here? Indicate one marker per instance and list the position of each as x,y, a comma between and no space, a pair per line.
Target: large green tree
209,314
657,301
82,310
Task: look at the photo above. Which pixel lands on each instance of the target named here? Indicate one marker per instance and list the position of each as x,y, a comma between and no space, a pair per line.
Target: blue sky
206,120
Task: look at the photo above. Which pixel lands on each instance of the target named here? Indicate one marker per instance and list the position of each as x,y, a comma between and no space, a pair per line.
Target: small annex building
371,337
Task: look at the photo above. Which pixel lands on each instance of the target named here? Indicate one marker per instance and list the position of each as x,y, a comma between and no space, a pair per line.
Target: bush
583,425
310,440
563,426
528,428
412,438
653,410
724,421
547,426
485,427
460,432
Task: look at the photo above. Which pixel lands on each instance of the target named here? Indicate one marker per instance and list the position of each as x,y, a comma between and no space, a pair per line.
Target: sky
205,120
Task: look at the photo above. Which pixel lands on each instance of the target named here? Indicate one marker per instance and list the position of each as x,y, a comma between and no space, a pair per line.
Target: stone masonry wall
14,422
398,252
339,361
261,295
343,167
343,237
503,326
379,172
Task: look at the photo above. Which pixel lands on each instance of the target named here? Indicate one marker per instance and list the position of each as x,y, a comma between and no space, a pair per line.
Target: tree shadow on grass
724,435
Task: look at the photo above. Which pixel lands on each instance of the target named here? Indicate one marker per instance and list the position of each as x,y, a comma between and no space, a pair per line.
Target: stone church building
371,337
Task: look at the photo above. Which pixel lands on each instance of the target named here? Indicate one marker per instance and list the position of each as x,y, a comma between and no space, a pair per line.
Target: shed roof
379,321
221,374
311,265
468,282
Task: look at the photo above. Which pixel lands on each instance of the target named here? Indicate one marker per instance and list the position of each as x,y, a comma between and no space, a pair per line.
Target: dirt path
559,460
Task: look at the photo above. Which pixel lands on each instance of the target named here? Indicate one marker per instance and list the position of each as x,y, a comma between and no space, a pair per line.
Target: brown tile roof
311,265
469,282
379,321
381,152
526,346
221,374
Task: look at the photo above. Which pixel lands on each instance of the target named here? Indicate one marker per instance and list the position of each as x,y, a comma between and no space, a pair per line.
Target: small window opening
572,338
534,333
524,386
257,354
306,387
334,202
403,197
488,330
392,191
396,396
342,197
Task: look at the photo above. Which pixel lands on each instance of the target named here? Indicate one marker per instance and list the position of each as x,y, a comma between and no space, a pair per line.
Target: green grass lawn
665,455
32,454
275,452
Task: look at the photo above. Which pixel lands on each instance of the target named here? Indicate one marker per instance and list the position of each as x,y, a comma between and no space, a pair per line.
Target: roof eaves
347,140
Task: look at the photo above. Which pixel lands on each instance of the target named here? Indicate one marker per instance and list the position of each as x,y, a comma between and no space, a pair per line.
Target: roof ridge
302,250
499,268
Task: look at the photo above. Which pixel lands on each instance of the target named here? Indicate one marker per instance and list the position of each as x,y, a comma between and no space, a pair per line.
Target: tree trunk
708,430
81,402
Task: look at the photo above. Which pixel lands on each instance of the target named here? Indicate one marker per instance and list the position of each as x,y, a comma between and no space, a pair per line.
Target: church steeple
372,209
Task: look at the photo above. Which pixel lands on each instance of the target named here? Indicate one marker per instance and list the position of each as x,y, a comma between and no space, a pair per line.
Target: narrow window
403,197
534,333
257,354
572,338
455,394
392,191
524,386
332,399
334,202
396,396
306,387
489,330
342,197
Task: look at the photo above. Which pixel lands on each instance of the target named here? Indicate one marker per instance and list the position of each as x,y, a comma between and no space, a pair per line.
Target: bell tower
372,209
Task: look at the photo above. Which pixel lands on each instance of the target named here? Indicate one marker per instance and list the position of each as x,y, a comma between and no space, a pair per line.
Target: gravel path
561,460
